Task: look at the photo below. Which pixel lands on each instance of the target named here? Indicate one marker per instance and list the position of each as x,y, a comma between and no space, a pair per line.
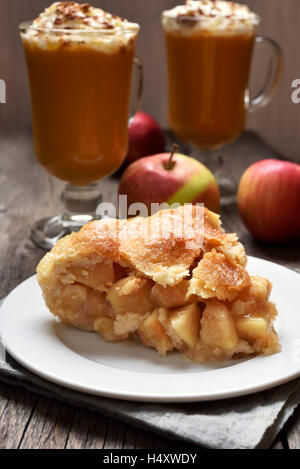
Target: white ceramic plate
128,370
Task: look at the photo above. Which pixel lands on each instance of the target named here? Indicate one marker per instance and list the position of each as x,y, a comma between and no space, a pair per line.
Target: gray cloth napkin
242,423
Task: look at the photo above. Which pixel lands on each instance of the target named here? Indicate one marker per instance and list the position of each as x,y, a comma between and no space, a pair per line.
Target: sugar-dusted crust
175,280
217,277
163,247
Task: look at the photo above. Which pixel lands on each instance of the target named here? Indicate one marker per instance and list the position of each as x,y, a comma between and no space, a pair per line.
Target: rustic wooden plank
97,431
88,431
3,398
15,416
35,426
115,435
130,437
277,443
49,426
79,430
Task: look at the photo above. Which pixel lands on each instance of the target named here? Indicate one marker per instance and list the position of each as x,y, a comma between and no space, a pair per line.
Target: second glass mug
209,77
80,111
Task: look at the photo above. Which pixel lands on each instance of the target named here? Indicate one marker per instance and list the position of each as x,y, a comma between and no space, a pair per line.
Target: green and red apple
174,178
269,200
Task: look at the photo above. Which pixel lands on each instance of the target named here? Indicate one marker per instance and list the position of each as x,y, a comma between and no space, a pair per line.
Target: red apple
269,200
145,137
164,178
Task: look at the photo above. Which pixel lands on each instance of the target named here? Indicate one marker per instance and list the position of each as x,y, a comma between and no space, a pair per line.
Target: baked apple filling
168,290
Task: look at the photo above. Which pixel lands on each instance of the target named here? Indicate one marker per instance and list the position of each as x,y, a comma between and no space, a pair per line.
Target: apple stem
175,148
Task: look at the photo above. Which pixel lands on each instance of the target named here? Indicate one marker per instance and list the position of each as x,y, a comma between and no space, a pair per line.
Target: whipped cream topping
211,15
71,22
72,15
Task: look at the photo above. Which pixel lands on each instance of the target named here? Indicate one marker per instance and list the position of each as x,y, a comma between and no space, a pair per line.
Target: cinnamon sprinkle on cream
77,16
71,23
211,15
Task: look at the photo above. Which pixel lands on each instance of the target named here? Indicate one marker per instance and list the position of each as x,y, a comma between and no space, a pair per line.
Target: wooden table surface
30,421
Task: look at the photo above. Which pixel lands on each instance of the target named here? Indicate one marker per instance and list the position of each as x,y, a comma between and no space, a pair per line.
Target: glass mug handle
140,88
273,77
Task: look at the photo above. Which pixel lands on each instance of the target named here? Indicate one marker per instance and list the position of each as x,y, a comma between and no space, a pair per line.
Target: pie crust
173,289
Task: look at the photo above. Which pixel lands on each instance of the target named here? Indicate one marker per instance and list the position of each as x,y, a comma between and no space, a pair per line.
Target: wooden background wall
279,123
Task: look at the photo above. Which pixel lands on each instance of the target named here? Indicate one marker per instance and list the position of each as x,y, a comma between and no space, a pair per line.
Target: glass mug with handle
209,53
80,82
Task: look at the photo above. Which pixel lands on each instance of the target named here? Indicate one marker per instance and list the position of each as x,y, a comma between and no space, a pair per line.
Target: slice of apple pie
175,280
